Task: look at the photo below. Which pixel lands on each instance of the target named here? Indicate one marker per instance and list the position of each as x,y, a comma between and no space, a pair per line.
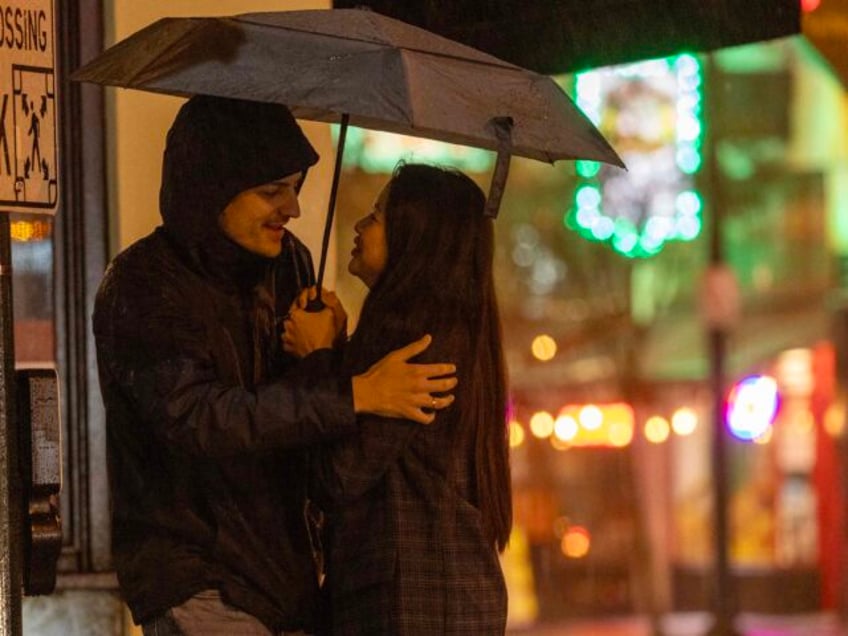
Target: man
207,419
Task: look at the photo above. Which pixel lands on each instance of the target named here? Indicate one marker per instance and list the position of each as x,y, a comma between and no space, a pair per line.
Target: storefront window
32,286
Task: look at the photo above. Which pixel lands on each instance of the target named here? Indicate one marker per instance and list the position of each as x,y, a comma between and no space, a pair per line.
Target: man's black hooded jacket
206,418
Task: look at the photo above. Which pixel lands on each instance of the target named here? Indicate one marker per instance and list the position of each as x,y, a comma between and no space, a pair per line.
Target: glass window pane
32,287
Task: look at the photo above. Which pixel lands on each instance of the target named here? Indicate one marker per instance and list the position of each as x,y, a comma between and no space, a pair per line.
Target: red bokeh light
810,5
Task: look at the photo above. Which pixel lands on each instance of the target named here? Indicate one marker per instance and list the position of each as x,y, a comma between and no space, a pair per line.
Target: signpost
28,126
29,182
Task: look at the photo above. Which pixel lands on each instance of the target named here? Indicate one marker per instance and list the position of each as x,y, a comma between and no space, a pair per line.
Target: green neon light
377,152
588,169
663,210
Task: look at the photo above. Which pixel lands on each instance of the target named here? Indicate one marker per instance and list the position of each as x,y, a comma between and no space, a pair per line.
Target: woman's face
370,252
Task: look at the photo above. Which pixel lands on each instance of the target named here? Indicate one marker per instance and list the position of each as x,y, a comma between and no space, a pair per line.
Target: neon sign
652,114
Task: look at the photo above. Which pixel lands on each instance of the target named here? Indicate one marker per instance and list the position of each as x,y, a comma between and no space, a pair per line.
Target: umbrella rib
154,63
492,62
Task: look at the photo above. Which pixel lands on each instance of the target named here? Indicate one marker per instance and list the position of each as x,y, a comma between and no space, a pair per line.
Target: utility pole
11,541
721,283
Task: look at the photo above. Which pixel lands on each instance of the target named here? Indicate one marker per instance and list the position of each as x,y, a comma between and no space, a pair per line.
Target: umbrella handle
316,304
503,132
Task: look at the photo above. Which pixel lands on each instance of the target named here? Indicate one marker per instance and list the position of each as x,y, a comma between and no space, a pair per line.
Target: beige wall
138,122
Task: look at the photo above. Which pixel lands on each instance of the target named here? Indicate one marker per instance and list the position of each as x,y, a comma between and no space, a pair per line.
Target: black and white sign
28,109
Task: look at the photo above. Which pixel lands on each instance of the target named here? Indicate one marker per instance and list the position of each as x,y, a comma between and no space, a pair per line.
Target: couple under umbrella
223,435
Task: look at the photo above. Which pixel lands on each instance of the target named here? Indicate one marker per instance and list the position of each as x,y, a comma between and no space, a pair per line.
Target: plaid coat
405,551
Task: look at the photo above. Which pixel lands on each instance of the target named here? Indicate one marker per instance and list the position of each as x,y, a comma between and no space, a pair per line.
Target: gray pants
205,614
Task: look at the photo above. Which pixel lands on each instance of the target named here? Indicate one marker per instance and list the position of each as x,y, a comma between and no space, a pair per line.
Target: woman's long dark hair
438,280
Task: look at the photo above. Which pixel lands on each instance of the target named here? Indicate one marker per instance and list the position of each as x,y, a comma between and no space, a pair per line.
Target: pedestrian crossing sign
29,166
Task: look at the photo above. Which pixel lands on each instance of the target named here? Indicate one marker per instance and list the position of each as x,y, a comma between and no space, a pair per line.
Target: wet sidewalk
692,624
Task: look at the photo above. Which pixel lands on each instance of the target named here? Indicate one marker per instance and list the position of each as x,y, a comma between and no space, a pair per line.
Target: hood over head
216,148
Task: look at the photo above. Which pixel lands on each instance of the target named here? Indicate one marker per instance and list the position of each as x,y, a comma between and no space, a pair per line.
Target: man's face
256,218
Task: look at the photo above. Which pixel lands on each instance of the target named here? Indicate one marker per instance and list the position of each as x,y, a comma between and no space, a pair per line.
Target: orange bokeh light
576,542
609,425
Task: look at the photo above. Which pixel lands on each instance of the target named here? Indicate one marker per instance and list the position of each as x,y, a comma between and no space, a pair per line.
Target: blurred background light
657,429
566,428
652,111
544,347
576,542
752,406
684,421
590,417
542,424
516,434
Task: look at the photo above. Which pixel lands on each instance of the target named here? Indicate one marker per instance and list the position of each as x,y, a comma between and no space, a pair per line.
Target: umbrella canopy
564,36
385,74
361,68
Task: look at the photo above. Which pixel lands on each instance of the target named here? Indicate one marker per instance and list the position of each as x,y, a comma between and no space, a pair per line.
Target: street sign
29,158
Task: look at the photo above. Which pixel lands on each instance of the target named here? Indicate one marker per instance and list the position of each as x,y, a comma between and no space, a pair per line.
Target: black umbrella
564,36
361,68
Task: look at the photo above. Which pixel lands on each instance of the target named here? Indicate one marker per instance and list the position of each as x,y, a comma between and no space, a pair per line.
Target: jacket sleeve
193,411
156,367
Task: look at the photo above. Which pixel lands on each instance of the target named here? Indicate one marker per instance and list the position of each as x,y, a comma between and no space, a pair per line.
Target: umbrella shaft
331,207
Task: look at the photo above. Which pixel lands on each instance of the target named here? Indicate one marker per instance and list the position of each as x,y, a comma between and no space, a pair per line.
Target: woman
416,514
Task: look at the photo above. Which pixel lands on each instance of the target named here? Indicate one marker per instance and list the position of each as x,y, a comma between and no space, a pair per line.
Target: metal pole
11,540
724,593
